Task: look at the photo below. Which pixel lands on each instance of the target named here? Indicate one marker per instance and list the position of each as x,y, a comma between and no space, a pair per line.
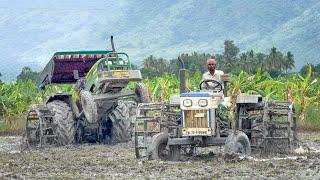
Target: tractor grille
195,118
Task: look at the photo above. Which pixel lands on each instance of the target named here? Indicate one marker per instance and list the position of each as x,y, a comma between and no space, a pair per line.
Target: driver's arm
219,73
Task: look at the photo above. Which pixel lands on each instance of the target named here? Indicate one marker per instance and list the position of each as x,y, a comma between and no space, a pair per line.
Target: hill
32,32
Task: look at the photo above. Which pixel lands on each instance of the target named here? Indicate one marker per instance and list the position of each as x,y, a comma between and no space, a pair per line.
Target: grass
312,119
12,126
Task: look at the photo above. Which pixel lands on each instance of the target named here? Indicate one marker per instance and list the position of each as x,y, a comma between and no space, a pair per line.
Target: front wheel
89,107
159,150
238,143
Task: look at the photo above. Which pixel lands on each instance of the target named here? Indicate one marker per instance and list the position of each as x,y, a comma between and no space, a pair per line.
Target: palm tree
251,61
147,63
244,61
261,61
289,61
272,59
280,61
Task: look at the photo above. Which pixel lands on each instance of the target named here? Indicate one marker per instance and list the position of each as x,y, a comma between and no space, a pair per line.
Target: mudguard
65,98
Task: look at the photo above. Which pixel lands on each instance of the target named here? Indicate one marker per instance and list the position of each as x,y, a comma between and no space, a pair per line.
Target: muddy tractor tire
64,118
142,93
158,149
89,107
237,143
121,125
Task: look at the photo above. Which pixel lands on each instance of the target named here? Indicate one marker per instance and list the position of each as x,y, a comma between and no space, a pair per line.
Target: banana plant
239,84
304,90
194,81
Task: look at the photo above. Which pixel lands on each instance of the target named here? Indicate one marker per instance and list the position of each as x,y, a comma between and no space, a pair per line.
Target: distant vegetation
230,61
251,72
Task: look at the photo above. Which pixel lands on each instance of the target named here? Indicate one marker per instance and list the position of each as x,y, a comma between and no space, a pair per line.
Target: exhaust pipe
181,62
182,76
112,44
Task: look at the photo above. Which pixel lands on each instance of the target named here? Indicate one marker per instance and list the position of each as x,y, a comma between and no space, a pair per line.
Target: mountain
31,31
299,35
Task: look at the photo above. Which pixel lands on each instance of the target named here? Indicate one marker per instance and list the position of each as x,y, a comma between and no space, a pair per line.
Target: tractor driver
212,74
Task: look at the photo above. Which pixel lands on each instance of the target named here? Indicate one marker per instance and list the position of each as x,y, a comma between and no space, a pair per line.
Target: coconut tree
244,62
289,61
261,61
272,59
252,61
280,65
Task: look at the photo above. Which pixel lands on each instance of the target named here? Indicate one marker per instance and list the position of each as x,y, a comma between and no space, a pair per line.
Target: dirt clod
271,164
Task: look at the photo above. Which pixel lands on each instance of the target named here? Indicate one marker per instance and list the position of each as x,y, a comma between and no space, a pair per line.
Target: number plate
199,115
119,74
196,132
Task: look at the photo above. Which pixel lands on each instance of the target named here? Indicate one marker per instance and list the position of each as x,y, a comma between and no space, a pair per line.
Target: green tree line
251,72
230,61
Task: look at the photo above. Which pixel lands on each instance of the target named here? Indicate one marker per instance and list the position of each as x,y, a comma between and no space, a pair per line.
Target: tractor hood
197,94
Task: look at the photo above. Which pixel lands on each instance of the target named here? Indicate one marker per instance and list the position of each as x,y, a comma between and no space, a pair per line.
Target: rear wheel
238,143
121,125
142,93
160,151
64,118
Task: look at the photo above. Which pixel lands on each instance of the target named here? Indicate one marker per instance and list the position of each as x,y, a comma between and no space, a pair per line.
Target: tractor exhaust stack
182,76
112,44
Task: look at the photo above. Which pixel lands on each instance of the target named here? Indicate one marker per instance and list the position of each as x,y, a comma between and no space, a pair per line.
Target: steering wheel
216,84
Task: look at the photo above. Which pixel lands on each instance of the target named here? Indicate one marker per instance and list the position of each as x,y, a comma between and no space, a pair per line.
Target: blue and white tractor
194,119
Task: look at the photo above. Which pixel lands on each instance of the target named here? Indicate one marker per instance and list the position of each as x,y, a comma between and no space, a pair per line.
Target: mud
118,162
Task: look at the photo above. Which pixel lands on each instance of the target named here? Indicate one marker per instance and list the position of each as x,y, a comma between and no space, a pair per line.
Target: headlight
202,102
187,102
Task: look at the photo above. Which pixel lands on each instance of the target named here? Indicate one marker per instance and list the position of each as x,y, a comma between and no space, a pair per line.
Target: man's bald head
211,65
211,61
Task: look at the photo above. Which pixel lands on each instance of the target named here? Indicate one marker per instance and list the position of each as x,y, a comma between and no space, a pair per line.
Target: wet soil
118,162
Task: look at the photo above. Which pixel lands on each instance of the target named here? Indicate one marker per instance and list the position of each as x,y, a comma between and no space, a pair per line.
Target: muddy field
118,162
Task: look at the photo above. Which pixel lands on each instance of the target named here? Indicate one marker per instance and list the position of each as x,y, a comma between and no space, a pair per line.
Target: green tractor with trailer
100,113
194,119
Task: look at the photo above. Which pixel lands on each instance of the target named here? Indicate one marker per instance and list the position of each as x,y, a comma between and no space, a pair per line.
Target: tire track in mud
118,162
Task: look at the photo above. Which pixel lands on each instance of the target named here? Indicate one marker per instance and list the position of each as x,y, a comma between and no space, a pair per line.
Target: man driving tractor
212,74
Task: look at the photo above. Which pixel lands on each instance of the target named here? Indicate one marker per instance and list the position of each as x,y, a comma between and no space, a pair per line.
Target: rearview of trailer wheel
237,142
